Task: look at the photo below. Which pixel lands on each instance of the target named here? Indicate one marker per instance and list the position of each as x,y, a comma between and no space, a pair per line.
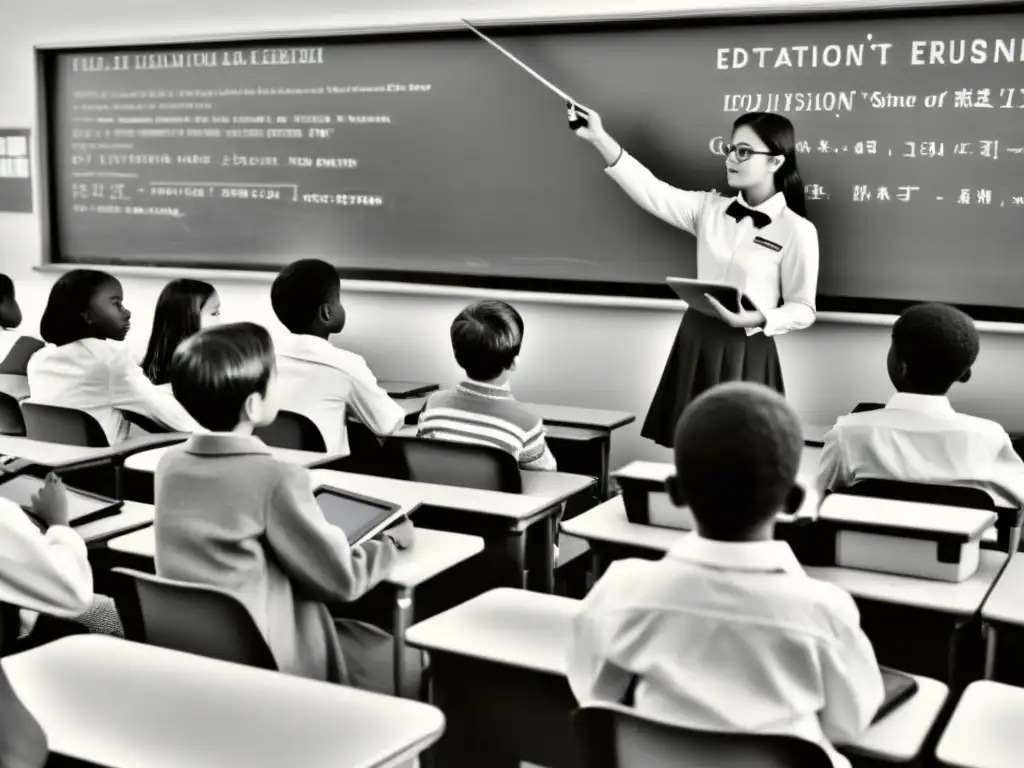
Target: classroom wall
591,356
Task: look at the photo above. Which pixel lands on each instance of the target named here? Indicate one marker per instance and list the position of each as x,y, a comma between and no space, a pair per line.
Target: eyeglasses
743,153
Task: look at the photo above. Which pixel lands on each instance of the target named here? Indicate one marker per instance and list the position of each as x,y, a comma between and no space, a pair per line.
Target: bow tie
739,212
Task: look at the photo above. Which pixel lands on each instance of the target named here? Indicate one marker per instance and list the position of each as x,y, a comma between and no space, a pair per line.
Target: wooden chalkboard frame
841,308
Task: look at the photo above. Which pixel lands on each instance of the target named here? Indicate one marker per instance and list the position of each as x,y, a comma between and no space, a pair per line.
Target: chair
67,426
192,618
861,407
144,422
16,362
1008,524
11,420
468,465
615,736
294,431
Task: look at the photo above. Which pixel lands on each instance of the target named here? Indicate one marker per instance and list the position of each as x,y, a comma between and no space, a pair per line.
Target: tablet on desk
693,293
360,517
83,507
899,686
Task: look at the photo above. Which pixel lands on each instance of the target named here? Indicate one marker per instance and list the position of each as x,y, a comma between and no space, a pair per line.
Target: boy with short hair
230,515
15,349
316,378
918,437
727,632
486,338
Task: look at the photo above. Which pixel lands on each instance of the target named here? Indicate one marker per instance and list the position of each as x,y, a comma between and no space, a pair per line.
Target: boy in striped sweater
486,338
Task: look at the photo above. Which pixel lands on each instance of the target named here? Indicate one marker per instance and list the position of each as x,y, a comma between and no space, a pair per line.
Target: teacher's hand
593,131
745,318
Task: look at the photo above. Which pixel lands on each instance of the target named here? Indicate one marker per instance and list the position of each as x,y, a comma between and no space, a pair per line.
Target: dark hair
300,289
737,453
63,319
937,343
10,312
176,318
486,338
217,369
779,136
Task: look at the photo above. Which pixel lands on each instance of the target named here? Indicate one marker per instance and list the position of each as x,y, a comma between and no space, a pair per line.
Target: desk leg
515,548
546,578
990,651
603,480
402,621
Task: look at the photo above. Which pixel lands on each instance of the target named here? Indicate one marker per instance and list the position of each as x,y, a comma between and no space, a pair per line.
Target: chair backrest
11,420
467,465
68,426
292,430
615,736
924,493
197,619
16,362
861,407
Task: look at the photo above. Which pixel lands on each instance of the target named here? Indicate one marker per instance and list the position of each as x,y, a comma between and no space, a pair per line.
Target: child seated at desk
727,632
230,515
84,367
917,436
184,308
316,378
486,338
15,349
49,572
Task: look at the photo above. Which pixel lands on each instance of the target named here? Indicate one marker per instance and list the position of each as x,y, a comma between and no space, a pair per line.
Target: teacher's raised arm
758,241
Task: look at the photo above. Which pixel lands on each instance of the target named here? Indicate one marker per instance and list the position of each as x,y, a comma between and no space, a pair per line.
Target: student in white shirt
918,437
49,572
15,349
83,366
759,241
316,378
183,308
727,632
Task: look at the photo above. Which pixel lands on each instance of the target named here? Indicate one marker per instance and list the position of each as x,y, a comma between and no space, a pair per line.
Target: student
15,349
184,307
316,378
918,437
230,515
727,632
82,368
48,572
486,338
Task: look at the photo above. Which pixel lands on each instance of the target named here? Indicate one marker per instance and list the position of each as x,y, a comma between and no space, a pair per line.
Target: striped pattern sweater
481,413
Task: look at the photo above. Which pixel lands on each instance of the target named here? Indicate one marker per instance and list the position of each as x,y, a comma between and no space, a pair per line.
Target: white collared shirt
42,573
728,637
920,438
100,377
321,381
783,270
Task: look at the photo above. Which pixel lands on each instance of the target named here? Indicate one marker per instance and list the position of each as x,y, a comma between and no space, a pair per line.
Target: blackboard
427,156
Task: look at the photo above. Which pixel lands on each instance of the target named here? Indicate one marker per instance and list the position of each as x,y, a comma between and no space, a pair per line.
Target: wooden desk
503,517
148,460
14,385
132,517
126,705
48,454
499,664
434,553
1003,616
985,729
400,390
572,431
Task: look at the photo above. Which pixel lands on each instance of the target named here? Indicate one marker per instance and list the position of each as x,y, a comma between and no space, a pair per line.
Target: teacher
758,241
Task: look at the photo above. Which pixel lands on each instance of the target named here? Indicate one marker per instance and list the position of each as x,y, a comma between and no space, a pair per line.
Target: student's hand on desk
402,534
51,503
745,318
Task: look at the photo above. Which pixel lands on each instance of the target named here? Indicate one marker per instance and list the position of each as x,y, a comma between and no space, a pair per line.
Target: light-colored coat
230,515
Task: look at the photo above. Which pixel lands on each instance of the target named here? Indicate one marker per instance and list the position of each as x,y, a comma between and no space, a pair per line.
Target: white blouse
100,377
776,266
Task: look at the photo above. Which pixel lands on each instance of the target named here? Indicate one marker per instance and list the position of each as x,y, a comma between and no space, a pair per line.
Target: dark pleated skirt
707,352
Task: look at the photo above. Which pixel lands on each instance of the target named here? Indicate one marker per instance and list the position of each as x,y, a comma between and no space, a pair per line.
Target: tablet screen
82,507
360,517
899,687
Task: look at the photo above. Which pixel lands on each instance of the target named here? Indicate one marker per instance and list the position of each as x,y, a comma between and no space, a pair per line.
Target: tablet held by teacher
758,241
